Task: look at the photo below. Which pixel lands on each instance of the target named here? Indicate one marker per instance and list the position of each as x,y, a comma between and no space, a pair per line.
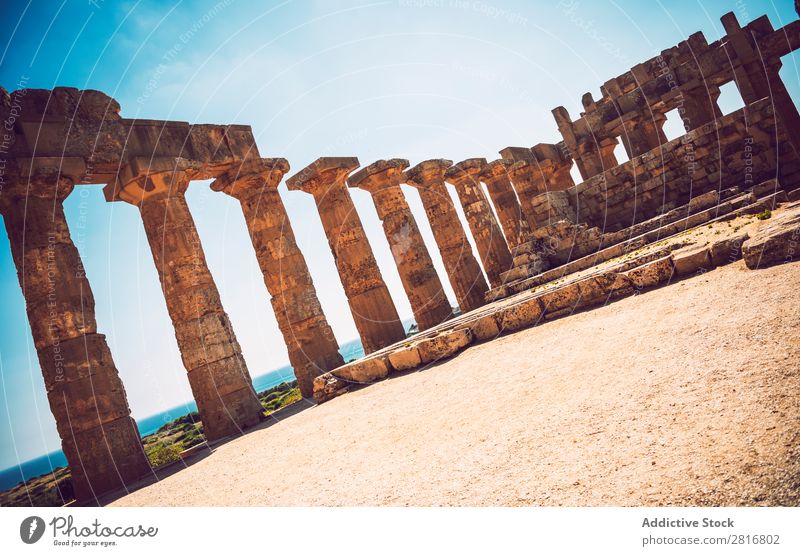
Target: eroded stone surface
463,270
690,261
373,309
424,290
777,240
84,390
312,347
219,378
443,345
489,240
498,183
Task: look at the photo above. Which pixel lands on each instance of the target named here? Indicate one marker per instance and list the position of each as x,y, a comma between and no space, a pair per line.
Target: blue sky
402,78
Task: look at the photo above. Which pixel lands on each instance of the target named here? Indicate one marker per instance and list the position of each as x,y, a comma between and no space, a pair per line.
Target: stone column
84,390
757,78
309,339
529,181
515,225
218,375
698,106
425,293
489,240
373,309
592,152
462,268
643,132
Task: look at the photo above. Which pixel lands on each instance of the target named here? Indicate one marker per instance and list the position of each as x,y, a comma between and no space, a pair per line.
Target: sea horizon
48,462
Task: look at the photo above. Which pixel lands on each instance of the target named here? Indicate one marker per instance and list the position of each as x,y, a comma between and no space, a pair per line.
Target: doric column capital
318,176
525,169
496,170
379,175
465,172
151,178
427,173
251,177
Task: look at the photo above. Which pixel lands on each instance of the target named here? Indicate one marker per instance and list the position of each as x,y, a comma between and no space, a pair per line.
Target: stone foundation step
528,258
528,276
772,242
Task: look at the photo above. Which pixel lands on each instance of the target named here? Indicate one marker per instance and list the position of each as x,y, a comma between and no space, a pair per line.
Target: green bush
162,454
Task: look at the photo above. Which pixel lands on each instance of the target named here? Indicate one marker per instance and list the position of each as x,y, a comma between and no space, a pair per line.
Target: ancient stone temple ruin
545,245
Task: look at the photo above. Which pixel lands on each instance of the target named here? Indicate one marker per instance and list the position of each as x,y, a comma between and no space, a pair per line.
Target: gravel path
686,395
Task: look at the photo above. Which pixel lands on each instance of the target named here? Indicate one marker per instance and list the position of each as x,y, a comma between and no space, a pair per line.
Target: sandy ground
686,395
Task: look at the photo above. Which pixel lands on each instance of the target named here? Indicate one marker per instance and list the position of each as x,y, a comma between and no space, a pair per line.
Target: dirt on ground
685,395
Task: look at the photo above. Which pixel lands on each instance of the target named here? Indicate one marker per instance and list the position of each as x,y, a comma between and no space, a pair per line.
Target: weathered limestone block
514,223
483,328
363,371
521,315
309,338
641,131
81,134
777,240
373,309
424,290
622,286
598,290
463,270
564,297
491,244
327,386
528,181
405,358
563,241
756,70
651,274
591,147
445,344
105,459
542,185
84,390
728,250
218,375
692,260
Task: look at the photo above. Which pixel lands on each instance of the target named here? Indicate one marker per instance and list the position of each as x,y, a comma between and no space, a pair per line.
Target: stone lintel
68,123
427,172
380,173
322,172
73,168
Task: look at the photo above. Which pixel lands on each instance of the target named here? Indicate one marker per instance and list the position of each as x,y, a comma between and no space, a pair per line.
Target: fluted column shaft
84,390
489,240
373,310
463,270
420,281
217,372
309,339
515,225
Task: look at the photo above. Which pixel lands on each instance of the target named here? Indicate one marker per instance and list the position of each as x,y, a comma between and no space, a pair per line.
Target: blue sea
44,464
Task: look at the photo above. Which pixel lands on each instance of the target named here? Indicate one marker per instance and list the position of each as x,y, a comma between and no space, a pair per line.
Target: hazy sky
415,79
